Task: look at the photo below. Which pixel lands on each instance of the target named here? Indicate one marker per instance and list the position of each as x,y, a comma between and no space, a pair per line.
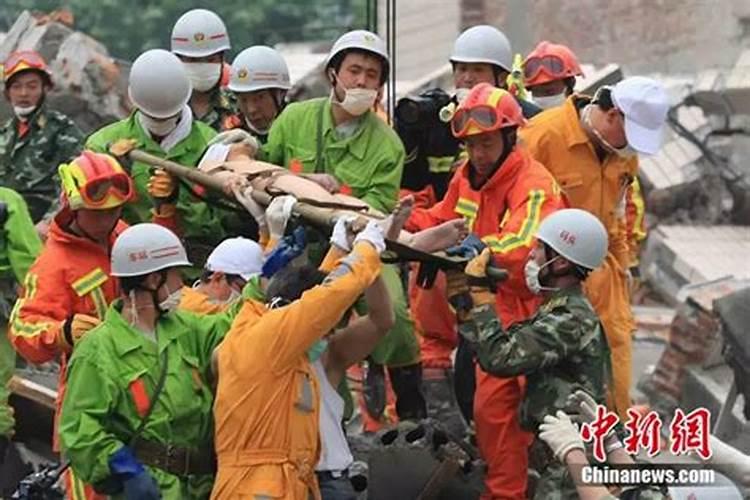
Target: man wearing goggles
550,74
503,195
591,145
68,288
35,140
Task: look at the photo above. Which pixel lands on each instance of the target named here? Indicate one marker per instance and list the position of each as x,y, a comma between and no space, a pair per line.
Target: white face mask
462,94
531,272
203,76
171,302
158,126
549,101
23,111
356,101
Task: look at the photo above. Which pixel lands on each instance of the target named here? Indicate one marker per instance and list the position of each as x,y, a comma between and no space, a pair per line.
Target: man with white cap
591,146
200,39
259,79
230,268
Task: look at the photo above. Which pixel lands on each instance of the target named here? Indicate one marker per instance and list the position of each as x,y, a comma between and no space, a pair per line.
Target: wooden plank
35,392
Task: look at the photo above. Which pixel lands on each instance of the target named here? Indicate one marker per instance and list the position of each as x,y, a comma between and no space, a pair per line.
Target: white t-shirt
334,454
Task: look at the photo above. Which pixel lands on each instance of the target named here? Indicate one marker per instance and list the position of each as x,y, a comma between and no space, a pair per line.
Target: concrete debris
89,85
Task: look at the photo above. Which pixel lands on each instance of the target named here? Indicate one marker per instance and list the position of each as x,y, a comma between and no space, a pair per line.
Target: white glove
243,194
586,406
278,213
341,236
730,462
560,434
236,136
372,233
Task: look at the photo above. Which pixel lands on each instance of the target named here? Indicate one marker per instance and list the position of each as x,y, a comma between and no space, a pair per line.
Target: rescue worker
228,270
560,349
163,125
590,145
260,80
200,39
36,139
550,72
68,288
503,195
340,143
268,398
19,246
136,419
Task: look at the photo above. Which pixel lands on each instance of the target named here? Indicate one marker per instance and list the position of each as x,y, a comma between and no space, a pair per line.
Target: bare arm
576,460
354,343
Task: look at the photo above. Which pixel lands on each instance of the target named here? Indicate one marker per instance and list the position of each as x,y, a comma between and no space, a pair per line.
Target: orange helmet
25,60
549,62
486,108
95,181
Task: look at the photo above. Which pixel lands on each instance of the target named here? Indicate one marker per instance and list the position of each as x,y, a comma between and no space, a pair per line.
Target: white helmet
146,248
236,256
258,68
199,33
576,235
158,84
483,44
361,40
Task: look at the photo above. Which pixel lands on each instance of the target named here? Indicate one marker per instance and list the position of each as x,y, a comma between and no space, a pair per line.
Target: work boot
407,385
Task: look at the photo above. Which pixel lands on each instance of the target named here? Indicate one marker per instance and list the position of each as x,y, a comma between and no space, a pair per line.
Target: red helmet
95,181
486,108
25,60
549,62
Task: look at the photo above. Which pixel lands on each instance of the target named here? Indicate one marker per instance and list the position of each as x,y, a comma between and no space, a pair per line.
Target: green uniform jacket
29,164
370,162
560,350
200,222
19,247
99,413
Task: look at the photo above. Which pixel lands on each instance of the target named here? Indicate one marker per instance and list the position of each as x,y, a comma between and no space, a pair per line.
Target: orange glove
75,327
162,186
476,269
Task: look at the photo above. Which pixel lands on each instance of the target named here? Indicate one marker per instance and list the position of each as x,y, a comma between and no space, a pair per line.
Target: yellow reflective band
100,302
640,210
21,329
440,164
495,97
84,285
524,236
466,207
29,285
79,488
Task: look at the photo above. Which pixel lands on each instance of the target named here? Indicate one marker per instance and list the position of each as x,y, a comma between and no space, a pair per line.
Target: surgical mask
356,101
549,101
531,272
171,302
316,350
23,111
624,152
462,94
203,76
160,127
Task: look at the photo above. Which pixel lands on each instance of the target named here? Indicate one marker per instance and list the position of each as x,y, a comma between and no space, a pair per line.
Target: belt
332,474
176,459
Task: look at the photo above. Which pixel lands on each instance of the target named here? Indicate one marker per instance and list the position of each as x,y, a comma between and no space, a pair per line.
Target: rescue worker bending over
19,247
268,398
201,41
503,195
68,288
590,145
259,79
136,418
562,348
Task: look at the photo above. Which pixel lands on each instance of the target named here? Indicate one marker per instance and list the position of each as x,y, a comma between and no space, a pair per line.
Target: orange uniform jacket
71,276
505,213
267,402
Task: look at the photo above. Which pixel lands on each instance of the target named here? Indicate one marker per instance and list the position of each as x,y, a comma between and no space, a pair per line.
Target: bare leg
440,237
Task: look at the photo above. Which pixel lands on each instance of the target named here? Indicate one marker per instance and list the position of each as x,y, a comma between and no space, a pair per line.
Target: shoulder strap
154,399
319,141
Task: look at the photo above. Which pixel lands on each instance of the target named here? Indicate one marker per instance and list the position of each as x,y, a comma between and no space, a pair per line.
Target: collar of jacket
148,144
58,234
38,119
357,143
129,338
572,128
506,173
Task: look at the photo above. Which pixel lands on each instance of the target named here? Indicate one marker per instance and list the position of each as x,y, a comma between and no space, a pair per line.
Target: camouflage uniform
223,105
28,164
560,350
